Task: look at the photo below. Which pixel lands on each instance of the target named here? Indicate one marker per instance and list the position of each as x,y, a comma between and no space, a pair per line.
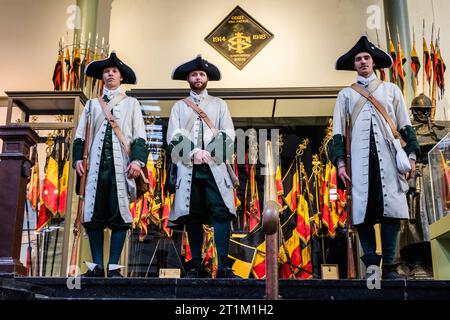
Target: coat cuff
409,136
336,148
139,150
77,151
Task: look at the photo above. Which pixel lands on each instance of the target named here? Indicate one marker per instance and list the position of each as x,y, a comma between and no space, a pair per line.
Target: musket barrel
351,272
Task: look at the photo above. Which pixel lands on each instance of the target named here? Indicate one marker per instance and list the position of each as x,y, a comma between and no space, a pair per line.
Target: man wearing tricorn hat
110,185
199,146
378,189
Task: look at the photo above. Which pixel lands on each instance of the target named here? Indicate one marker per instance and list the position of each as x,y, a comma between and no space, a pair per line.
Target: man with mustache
378,189
110,185
204,191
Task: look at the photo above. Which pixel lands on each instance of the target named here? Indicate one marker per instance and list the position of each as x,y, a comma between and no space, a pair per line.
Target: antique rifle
351,272
77,223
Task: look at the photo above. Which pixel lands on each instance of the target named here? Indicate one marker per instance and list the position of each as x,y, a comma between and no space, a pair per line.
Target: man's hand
133,170
79,167
412,173
342,173
202,156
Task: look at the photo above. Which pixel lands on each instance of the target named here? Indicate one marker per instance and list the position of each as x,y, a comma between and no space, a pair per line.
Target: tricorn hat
379,56
95,68
182,72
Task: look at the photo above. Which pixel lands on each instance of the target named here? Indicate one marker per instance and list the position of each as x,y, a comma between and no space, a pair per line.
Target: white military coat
129,117
393,184
180,117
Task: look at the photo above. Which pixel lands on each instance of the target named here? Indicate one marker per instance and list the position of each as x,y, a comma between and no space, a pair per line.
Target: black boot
226,273
389,272
225,270
114,274
194,269
97,272
371,260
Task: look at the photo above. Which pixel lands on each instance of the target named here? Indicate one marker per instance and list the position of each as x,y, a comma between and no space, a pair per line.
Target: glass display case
439,160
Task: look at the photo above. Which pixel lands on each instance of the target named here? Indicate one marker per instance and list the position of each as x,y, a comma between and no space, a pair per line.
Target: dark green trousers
206,203
207,207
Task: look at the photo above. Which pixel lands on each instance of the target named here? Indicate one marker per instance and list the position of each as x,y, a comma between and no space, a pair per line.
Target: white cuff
139,163
76,163
340,163
115,267
412,156
194,151
91,266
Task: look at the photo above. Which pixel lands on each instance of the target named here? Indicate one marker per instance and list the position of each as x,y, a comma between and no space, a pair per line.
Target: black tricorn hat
182,72
379,56
95,69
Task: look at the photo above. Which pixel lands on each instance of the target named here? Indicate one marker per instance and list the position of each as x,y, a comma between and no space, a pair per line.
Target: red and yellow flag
43,217
399,65
210,260
290,250
168,201
292,196
394,59
58,75
427,61
440,71
156,206
185,248
67,69
327,203
34,185
75,70
415,67
144,217
415,62
86,60
279,186
255,210
63,184
50,190
237,202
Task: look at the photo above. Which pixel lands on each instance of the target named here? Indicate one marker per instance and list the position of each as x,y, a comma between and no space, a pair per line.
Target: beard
198,88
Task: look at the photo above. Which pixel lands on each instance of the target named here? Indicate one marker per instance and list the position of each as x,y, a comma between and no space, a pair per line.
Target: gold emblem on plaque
239,37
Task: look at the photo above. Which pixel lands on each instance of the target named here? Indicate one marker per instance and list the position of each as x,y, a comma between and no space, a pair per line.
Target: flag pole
393,75
29,250
433,92
415,80
382,74
432,71
400,64
423,58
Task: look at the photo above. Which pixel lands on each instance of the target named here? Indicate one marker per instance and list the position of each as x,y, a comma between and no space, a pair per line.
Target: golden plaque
239,37
330,271
169,273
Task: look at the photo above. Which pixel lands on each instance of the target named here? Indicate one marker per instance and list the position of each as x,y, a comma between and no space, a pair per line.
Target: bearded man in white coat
204,192
378,188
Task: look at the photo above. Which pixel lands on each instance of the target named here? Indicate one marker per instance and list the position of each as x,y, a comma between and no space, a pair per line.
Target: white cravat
366,81
198,97
112,93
